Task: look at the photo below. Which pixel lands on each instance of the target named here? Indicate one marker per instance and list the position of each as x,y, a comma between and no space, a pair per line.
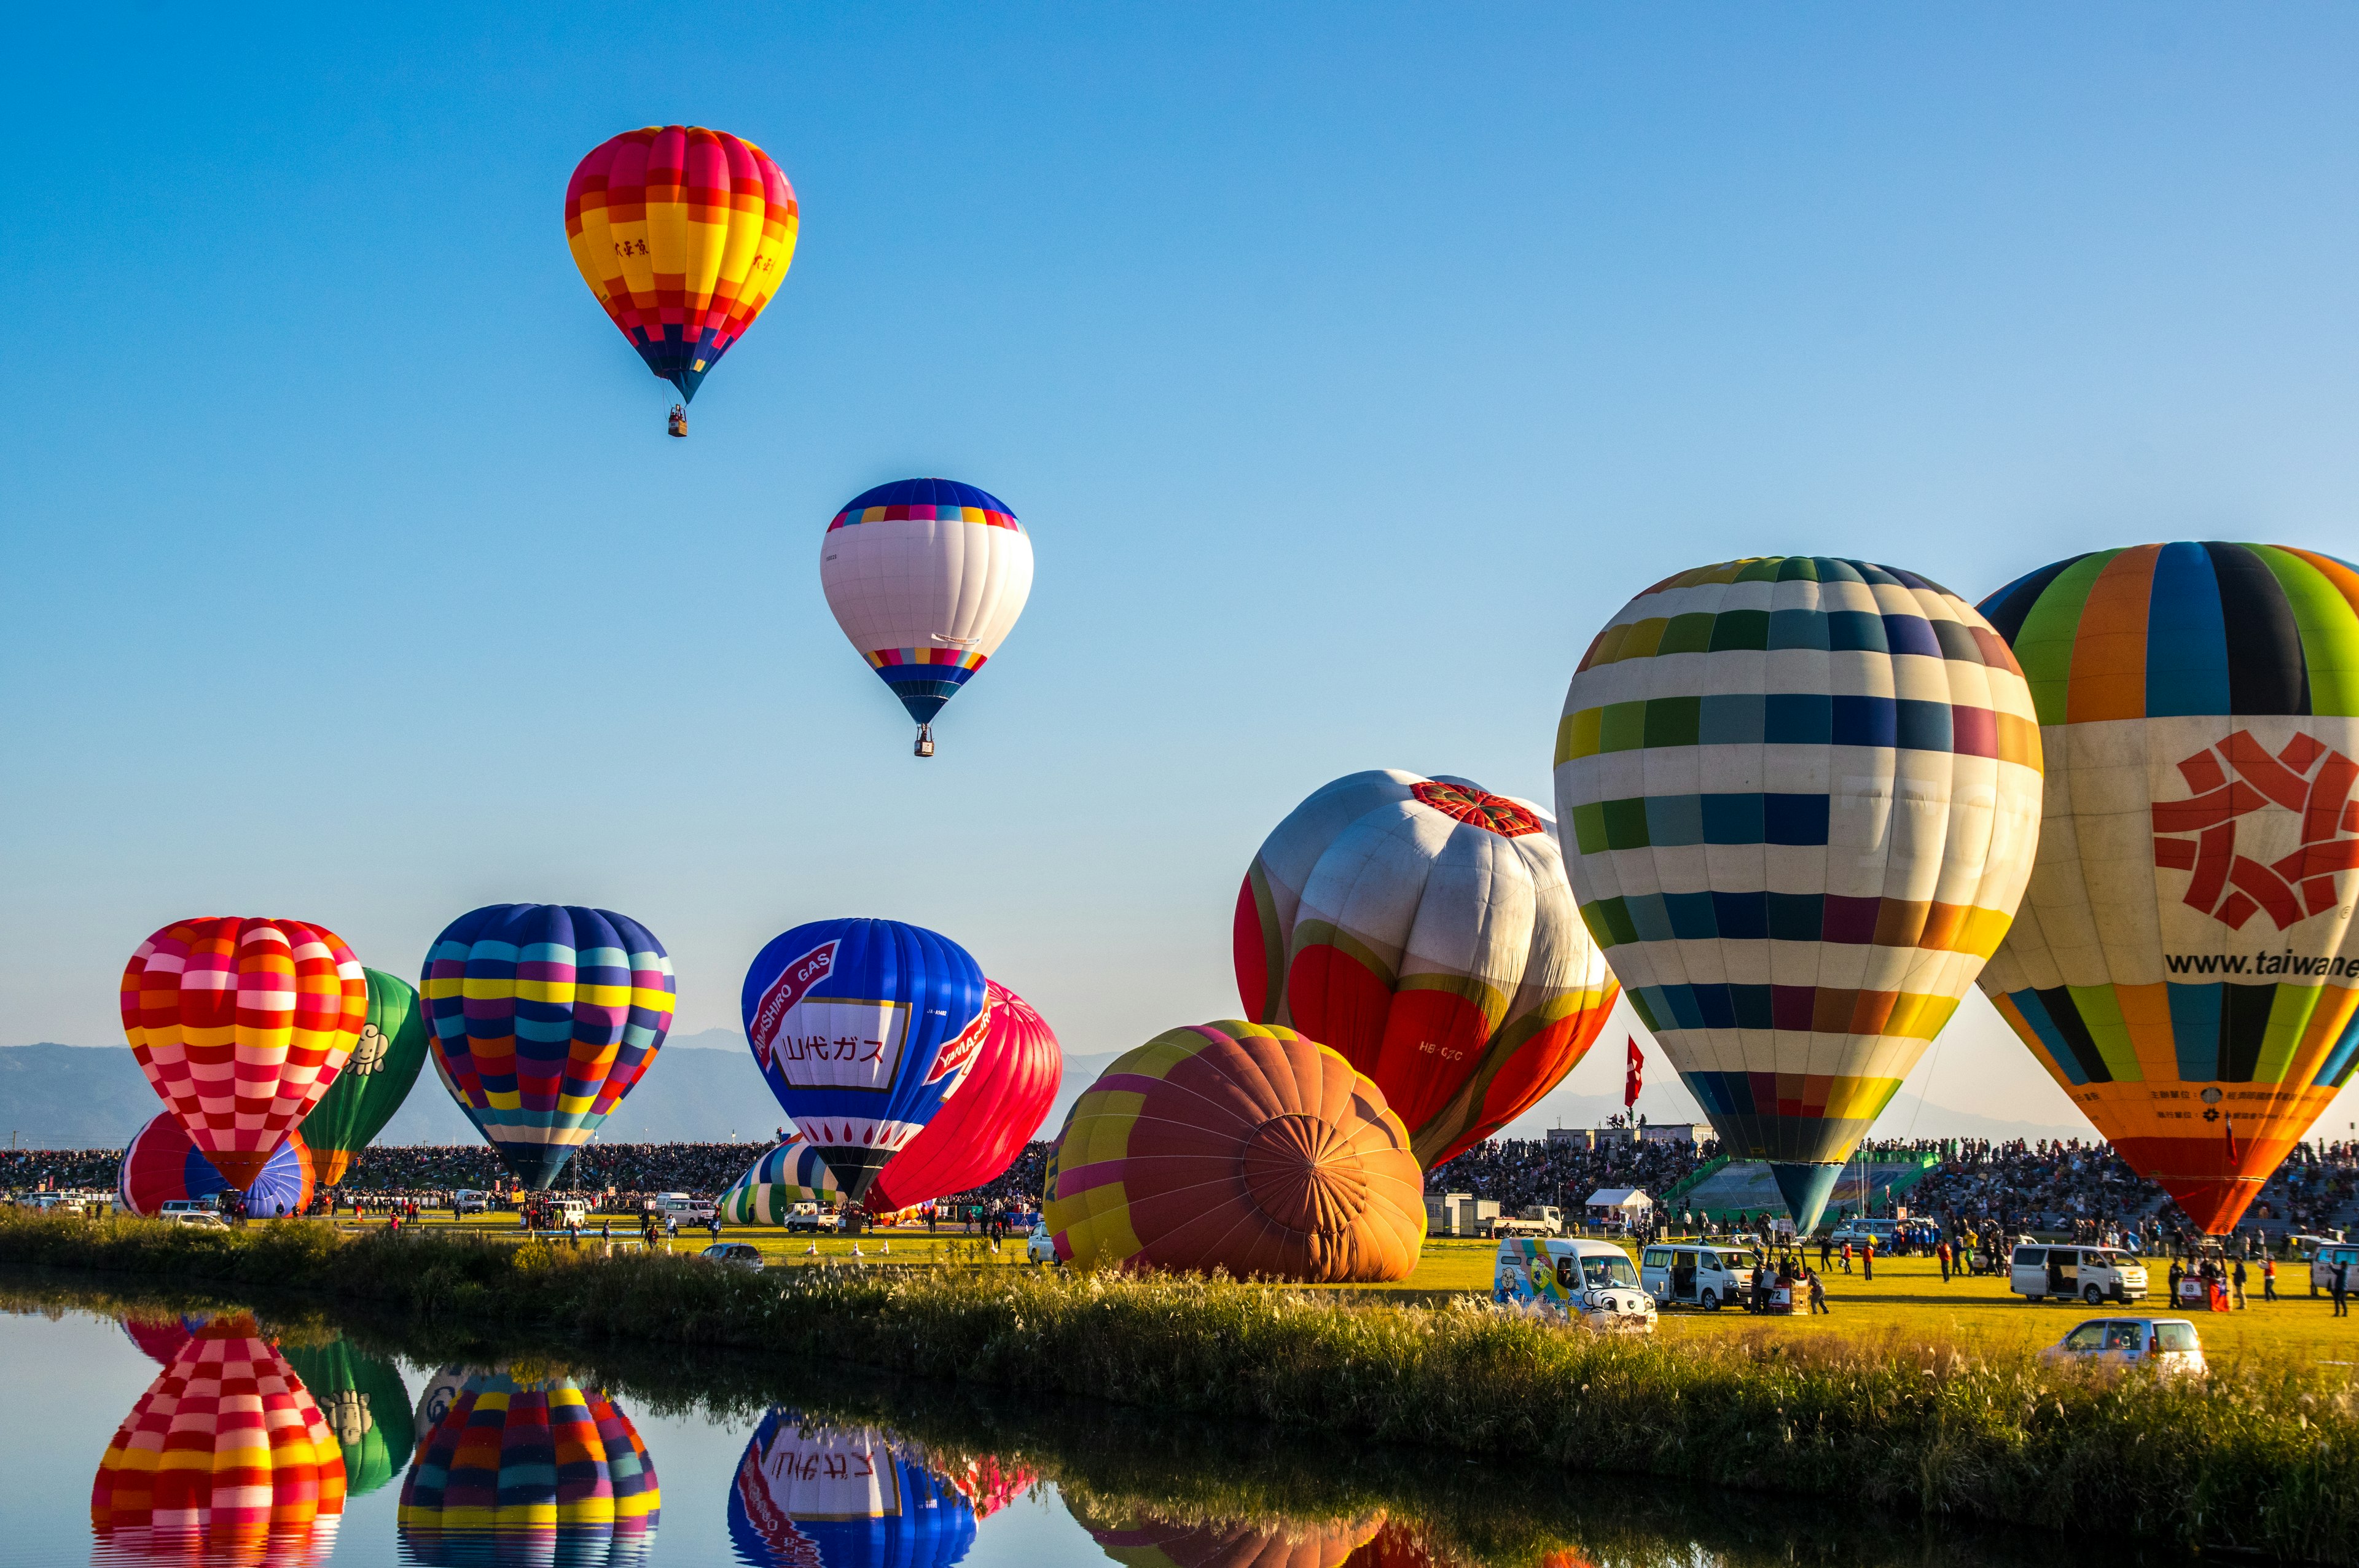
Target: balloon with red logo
1424,928
241,1024
980,1131
862,1029
2185,962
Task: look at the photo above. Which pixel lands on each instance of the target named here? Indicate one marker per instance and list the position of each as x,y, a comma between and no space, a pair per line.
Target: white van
2325,1256
1583,1281
680,1206
184,1206
466,1200
1857,1231
1705,1275
2090,1275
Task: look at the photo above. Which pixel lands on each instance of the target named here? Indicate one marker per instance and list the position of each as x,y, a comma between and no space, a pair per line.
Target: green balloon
375,1082
365,1405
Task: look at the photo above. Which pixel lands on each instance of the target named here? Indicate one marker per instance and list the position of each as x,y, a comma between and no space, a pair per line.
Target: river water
123,1423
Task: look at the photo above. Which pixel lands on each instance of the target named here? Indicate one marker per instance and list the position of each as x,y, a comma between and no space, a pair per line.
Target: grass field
1908,1295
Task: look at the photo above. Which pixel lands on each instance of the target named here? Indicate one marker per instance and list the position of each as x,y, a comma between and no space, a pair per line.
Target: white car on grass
1593,1284
2169,1345
1039,1246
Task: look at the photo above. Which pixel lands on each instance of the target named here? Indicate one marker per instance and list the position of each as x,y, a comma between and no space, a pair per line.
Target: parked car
688,1210
1588,1282
2093,1274
184,1206
732,1255
466,1200
1040,1247
2325,1256
2169,1345
203,1218
1701,1274
1858,1232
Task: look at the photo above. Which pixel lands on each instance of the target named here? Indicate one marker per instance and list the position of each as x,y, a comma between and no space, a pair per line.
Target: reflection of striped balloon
224,1453
363,1403
1423,928
812,1496
1237,1146
2199,704
1137,1538
1800,797
544,1015
683,234
241,1025
160,1165
531,1471
789,1174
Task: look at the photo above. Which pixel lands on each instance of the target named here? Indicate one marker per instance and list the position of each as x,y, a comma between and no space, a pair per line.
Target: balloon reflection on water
365,1406
1139,1539
224,1459
852,1496
529,1470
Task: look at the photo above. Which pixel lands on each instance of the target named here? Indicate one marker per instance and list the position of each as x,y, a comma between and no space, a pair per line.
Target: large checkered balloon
1799,798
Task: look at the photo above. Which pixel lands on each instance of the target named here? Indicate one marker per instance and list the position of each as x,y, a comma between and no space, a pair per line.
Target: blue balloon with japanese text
862,1029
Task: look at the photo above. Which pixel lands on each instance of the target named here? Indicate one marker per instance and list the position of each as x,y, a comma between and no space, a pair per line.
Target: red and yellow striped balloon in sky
683,234
241,1024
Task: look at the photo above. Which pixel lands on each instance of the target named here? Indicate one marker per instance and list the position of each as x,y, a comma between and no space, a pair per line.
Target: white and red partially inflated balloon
927,578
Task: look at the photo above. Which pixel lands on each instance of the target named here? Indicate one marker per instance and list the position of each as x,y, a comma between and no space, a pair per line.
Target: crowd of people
1519,1172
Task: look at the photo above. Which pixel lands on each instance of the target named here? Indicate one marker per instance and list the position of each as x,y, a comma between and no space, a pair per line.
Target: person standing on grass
1826,1250
1867,1259
2268,1278
1941,1256
2342,1279
1819,1295
1846,1257
2238,1279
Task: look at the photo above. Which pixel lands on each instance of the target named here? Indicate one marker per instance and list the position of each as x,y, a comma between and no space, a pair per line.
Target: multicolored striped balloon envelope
1423,927
982,1128
2185,964
683,234
1238,1146
241,1025
927,578
382,1069
365,1404
862,1028
1800,797
225,1457
543,1016
813,1495
787,1176
160,1166
531,1471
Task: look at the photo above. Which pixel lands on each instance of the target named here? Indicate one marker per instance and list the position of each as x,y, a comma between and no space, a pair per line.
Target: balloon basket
924,747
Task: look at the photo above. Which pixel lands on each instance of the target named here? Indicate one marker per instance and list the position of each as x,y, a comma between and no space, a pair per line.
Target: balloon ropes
2185,964
980,1131
683,234
862,1029
1801,797
382,1068
241,1025
160,1166
1423,927
543,1017
927,578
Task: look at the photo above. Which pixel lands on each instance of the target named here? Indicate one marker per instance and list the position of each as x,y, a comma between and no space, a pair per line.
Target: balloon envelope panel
160,1165
2184,964
862,1029
365,1406
831,1497
1800,797
542,1016
982,1128
790,1173
241,1025
1423,927
683,234
225,1453
926,577
378,1077
541,1470
1237,1146
1138,1538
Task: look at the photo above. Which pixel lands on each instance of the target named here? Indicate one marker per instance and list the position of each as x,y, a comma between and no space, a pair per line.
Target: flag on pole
1634,1077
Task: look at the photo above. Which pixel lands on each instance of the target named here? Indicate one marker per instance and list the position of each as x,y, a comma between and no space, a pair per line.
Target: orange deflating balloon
1137,1538
241,1025
1237,1146
225,1457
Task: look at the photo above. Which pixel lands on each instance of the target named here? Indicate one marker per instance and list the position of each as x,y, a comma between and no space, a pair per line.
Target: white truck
1532,1219
688,1210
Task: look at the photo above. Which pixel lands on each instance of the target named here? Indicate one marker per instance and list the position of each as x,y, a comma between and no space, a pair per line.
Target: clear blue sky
1349,366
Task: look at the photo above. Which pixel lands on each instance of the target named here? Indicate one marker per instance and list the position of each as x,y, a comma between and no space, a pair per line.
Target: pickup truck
1534,1219
809,1217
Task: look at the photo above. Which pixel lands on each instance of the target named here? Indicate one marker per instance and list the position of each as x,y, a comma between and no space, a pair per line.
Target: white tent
1629,1204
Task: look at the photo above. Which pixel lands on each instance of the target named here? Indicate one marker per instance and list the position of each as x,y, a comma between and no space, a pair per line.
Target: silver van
2325,1256
1698,1274
2090,1275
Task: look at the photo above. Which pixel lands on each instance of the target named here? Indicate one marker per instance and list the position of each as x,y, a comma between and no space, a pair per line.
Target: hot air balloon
1237,1146
225,1456
862,1028
789,1174
1138,1538
543,1016
987,1482
384,1065
363,1403
2185,964
980,1131
1423,927
1800,797
159,1339
927,578
160,1166
813,1495
531,1471
241,1025
683,234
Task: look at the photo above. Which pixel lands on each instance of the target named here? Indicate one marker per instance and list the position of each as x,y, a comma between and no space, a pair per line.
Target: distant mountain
72,1097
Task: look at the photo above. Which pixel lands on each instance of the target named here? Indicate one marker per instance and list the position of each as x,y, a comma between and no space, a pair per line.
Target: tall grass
2263,1455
